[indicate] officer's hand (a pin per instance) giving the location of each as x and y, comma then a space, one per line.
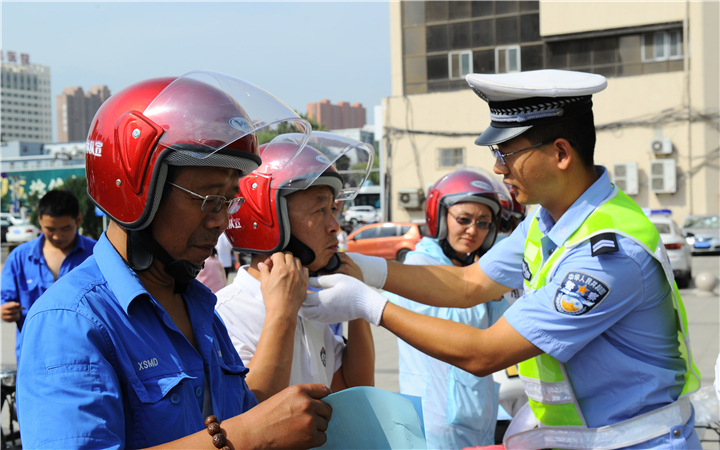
10, 311
294, 418
341, 299
283, 283
373, 269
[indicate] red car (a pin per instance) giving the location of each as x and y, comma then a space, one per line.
389, 240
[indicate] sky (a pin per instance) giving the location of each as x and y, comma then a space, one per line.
301, 52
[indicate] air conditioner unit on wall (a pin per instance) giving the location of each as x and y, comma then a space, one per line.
410, 198
663, 176
625, 177
661, 146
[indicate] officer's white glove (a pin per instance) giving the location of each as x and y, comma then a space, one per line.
343, 298
374, 269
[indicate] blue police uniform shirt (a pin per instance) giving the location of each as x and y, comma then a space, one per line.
622, 355
459, 408
111, 370
26, 275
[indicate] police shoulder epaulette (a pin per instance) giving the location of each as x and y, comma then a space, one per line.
604, 243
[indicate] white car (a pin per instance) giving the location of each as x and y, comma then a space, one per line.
703, 233
7, 220
22, 232
357, 214
678, 250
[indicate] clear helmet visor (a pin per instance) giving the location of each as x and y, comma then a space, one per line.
203, 112
339, 157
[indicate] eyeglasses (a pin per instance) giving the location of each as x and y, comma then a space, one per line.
467, 222
214, 203
501, 156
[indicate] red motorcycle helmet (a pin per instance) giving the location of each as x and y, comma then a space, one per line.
516, 216
198, 119
469, 184
262, 224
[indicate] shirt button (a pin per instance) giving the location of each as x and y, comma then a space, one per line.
676, 433
175, 399
198, 391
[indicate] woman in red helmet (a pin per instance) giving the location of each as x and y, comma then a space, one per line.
463, 213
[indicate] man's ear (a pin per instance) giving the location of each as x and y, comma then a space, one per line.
564, 153
78, 221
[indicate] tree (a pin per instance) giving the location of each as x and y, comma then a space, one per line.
91, 224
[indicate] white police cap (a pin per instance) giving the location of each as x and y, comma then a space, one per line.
520, 100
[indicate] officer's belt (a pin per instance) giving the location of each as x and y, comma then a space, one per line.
622, 434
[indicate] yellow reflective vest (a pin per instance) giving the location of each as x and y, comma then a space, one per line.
556, 420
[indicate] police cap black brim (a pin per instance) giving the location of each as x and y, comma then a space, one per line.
493, 136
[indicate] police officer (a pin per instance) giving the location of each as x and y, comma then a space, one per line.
600, 332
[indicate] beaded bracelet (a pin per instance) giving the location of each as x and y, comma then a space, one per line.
213, 427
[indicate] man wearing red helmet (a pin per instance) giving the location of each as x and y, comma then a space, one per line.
600, 333
126, 351
293, 210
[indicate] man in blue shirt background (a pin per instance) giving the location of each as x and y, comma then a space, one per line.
34, 266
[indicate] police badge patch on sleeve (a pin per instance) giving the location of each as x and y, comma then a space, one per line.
579, 293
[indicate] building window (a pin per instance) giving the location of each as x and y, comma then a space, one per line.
507, 59
662, 45
460, 64
451, 157
437, 67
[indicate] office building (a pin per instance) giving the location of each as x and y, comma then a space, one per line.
25, 104
342, 115
657, 121
75, 111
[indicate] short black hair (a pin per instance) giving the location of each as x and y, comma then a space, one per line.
579, 131
59, 203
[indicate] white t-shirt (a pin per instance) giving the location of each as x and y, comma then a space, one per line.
317, 352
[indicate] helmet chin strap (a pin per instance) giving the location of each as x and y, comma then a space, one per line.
453, 255
306, 255
142, 248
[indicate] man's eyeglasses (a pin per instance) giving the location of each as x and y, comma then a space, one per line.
467, 222
214, 203
501, 156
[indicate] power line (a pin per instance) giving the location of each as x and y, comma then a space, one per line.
665, 117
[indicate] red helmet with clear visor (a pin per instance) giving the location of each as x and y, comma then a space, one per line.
469, 184
198, 119
516, 216
262, 224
